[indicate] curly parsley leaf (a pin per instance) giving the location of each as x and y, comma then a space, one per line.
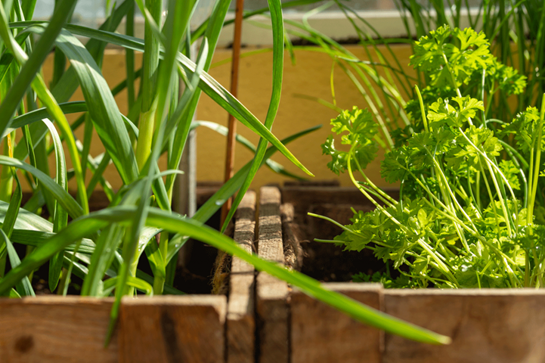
358, 130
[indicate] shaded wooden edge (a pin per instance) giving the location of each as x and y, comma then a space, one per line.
293, 236
240, 307
272, 309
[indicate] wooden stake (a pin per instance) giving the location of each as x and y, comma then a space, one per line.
230, 154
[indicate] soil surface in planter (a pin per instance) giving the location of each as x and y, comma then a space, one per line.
328, 262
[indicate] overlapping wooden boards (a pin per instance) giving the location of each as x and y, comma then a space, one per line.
272, 308
240, 308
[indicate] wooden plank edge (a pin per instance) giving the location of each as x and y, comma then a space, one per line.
240, 329
271, 294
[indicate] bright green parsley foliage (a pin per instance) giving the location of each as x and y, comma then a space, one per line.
358, 131
462, 218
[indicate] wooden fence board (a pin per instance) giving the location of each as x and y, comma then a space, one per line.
272, 308
489, 325
172, 329
322, 334
240, 307
55, 329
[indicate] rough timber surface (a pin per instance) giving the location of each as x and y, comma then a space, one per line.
172, 329
321, 334
489, 325
272, 308
240, 307
52, 329
55, 329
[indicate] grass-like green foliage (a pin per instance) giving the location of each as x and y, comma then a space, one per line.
104, 248
470, 213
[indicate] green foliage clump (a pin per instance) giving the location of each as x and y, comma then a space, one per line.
470, 212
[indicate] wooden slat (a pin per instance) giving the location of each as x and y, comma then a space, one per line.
497, 325
320, 333
172, 329
272, 309
240, 307
55, 329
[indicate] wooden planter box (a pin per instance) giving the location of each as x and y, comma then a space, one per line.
261, 319
493, 325
191, 328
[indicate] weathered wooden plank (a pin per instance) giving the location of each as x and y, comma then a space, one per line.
240, 307
55, 329
320, 333
272, 309
496, 325
172, 329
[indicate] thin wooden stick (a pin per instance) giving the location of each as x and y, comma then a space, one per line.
230, 153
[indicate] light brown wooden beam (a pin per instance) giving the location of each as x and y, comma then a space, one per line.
240, 307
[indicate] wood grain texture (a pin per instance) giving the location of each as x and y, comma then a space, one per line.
322, 334
500, 326
272, 308
172, 329
55, 329
240, 307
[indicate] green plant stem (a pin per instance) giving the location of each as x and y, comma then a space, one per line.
149, 84
158, 279
534, 167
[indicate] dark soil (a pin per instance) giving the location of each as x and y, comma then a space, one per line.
328, 262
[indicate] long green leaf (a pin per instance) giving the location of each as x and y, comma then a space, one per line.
102, 257
62, 196
208, 84
102, 107
31, 67
24, 288
60, 217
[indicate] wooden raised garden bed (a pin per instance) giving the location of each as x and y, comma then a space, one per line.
260, 319
489, 325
